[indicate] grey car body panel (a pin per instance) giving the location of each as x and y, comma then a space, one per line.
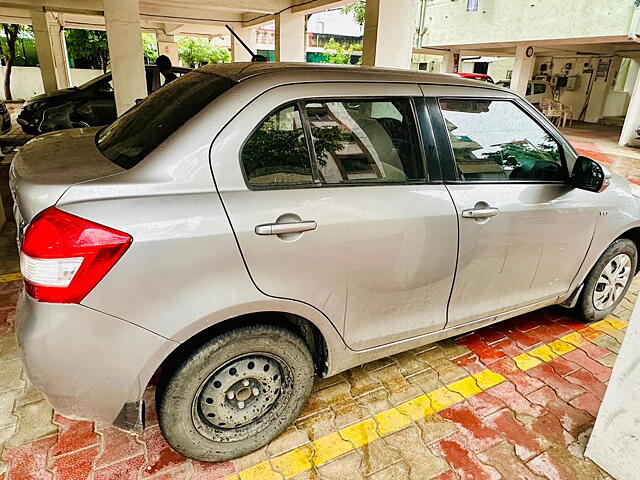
92, 351
185, 272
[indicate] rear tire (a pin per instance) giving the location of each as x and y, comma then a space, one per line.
235, 393
608, 281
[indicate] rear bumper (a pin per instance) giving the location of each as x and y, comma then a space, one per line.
88, 364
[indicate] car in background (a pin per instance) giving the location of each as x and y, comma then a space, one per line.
92, 104
472, 76
536, 90
6, 118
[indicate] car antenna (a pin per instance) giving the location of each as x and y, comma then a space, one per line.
254, 56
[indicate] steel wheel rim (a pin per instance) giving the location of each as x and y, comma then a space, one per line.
235, 395
612, 281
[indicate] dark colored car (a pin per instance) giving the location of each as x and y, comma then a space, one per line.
91, 104
6, 118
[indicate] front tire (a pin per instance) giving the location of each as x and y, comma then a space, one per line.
609, 280
235, 393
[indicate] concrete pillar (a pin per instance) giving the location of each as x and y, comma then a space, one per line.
51, 49
389, 28
523, 68
122, 19
614, 443
450, 61
632, 120
632, 75
290, 37
167, 46
238, 52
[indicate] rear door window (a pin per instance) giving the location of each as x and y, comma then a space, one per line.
364, 141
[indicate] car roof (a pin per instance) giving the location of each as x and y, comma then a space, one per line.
240, 72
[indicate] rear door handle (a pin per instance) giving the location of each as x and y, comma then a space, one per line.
284, 228
480, 212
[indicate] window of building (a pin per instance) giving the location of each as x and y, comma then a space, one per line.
360, 141
494, 140
276, 153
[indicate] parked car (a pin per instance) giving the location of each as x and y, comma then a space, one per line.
5, 124
472, 76
536, 90
89, 105
250, 226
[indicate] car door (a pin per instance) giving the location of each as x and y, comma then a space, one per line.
524, 231
326, 190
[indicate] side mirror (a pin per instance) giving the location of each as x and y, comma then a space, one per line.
589, 175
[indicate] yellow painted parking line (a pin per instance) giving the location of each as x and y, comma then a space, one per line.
10, 277
345, 440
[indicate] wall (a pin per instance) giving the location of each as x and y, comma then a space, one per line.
26, 82
497, 69
524, 20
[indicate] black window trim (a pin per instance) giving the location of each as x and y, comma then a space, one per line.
316, 182
445, 141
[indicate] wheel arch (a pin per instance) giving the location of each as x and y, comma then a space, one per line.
633, 234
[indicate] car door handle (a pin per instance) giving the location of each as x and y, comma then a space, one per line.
284, 228
480, 212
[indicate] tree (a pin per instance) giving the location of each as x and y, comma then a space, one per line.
357, 9
8, 53
150, 47
196, 52
89, 44
335, 52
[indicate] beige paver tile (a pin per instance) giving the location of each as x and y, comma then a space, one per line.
427, 380
408, 364
317, 425
342, 468
5, 434
10, 375
342, 404
451, 349
398, 387
288, 440
9, 347
409, 443
609, 360
34, 421
250, 460
7, 403
607, 342
30, 394
376, 456
361, 381
397, 471
434, 428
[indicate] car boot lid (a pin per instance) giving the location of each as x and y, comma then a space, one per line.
48, 165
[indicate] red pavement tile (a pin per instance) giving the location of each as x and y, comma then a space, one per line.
523, 340
585, 379
503, 459
591, 334
125, 470
587, 402
75, 466
598, 370
549, 427
491, 335
571, 323
212, 471
557, 329
29, 461
527, 322
523, 382
73, 435
563, 367
519, 404
470, 363
542, 334
159, 453
474, 434
566, 390
508, 347
547, 466
594, 351
484, 404
453, 449
571, 418
527, 444
448, 475
117, 446
486, 353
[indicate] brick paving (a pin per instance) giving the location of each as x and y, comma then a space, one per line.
516, 400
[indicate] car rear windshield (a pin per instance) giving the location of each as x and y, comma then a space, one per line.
140, 130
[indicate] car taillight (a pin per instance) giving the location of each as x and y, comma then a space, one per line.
63, 257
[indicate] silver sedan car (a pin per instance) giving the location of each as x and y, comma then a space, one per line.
251, 226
